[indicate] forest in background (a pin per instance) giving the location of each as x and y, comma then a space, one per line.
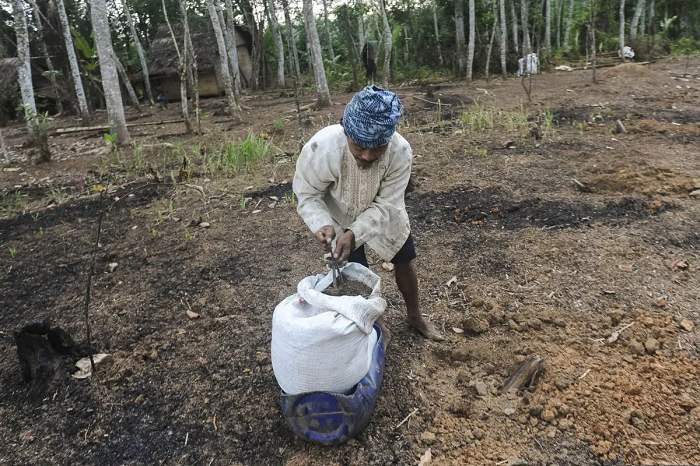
310, 44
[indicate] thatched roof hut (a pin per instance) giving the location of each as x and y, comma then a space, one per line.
9, 74
163, 61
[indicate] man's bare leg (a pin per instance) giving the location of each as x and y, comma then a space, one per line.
385, 330
407, 282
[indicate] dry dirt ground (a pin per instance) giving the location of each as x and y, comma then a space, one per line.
515, 261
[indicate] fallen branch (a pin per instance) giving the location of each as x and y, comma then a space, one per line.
80, 129
406, 418
432, 103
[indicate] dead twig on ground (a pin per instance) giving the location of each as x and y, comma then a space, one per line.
406, 418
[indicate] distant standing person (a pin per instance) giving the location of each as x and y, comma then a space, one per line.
350, 181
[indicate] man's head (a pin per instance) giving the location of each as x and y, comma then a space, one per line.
370, 121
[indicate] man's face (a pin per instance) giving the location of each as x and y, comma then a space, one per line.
366, 156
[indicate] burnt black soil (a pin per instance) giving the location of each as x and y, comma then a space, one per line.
475, 207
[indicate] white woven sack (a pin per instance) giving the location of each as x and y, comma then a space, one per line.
325, 343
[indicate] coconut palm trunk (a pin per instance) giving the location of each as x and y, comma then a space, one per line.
638, 13
524, 18
437, 34
182, 69
504, 38
386, 72
72, 59
225, 74
514, 25
191, 65
25, 69
472, 38
108, 71
323, 94
569, 18
139, 52
277, 39
459, 35
548, 27
622, 29
127, 83
360, 25
327, 30
47, 58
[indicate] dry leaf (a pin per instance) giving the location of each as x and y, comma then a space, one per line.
204, 225
192, 314
426, 458
457, 330
388, 266
85, 369
111, 267
661, 302
626, 267
452, 280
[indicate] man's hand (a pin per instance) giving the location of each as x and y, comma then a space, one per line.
325, 236
344, 246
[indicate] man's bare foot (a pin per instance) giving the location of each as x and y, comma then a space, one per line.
426, 329
385, 332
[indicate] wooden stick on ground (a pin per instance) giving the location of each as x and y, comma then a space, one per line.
524, 375
406, 418
79, 129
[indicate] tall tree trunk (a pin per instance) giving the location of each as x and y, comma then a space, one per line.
622, 29
514, 20
4, 149
641, 5
25, 68
504, 38
459, 35
493, 36
472, 38
591, 31
139, 51
293, 58
258, 45
642, 22
108, 71
437, 34
405, 47
233, 48
45, 53
277, 38
524, 18
548, 26
72, 60
561, 8
225, 74
652, 17
127, 83
328, 32
360, 24
182, 68
235, 78
386, 72
191, 66
569, 18
323, 96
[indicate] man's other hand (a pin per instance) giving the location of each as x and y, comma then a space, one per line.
344, 246
325, 236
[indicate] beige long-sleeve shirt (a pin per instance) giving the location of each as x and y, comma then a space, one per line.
332, 190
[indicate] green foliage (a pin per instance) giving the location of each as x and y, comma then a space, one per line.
238, 157
481, 119
58, 196
13, 252
14, 204
278, 124
685, 46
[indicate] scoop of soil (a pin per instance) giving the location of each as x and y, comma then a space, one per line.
349, 288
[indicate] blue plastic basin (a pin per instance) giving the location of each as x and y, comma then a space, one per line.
333, 418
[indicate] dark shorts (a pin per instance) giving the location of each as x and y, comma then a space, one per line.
405, 255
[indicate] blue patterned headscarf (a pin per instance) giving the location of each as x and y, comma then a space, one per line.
371, 117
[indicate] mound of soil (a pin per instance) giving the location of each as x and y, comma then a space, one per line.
630, 70
349, 288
